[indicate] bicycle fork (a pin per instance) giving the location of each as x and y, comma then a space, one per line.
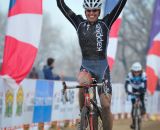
88, 97
90, 115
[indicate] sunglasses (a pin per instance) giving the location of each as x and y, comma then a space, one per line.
93, 10
137, 72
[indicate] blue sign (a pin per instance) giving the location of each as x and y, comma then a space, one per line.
43, 101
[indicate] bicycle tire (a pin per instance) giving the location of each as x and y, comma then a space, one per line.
137, 124
84, 123
100, 124
137, 119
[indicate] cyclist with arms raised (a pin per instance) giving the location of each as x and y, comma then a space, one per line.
93, 34
136, 78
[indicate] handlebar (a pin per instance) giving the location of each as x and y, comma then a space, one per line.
79, 86
134, 94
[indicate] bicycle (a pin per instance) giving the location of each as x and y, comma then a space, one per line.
91, 113
137, 116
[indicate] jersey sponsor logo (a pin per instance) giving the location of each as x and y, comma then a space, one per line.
99, 35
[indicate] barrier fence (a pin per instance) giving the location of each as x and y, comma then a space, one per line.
40, 102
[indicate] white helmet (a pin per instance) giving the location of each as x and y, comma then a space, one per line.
92, 4
136, 67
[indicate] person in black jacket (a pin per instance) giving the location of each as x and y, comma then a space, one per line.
93, 35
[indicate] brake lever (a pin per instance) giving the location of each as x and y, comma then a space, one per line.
64, 87
64, 90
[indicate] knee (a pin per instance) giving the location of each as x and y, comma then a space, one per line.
106, 106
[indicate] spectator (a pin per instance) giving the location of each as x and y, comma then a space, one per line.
47, 70
33, 74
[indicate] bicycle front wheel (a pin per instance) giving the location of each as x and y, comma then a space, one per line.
91, 123
84, 121
137, 119
137, 124
99, 121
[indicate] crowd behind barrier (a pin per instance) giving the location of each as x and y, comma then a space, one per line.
38, 101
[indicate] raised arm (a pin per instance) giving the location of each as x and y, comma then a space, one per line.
68, 13
111, 17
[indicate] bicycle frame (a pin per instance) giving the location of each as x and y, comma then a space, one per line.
89, 99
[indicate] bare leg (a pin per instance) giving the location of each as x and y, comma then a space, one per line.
81, 98
107, 117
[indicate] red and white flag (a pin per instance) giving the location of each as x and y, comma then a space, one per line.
153, 64
22, 39
114, 32
153, 57
113, 41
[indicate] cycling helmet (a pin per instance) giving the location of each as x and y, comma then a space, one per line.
92, 4
136, 67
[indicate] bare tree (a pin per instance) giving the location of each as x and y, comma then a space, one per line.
70, 60
50, 40
134, 36
53, 45
2, 33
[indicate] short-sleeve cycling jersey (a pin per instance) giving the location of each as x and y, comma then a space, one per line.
93, 38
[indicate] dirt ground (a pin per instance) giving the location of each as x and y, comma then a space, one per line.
124, 125
146, 125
